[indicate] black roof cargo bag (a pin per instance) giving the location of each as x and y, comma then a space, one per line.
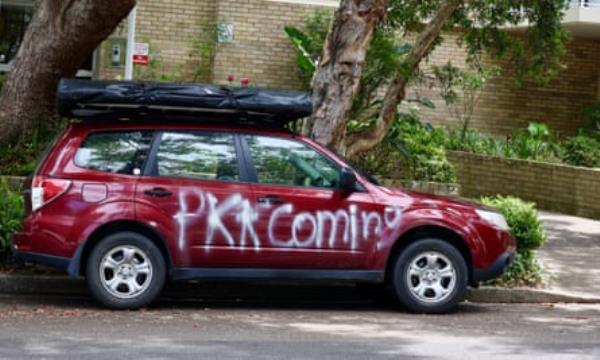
131, 100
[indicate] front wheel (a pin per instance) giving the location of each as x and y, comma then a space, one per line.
430, 276
125, 271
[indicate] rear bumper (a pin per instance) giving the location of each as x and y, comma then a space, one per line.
21, 255
28, 257
495, 270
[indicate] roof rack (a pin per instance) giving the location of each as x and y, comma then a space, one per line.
146, 101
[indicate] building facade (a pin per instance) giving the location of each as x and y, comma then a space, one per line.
209, 41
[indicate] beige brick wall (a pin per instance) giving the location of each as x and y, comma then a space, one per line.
504, 106
170, 28
555, 187
261, 51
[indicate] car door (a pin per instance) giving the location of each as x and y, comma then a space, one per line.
193, 192
304, 219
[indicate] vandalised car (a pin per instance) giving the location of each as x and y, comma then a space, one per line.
132, 204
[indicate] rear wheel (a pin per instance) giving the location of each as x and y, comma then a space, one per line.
430, 276
125, 271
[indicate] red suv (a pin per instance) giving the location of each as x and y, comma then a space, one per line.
129, 205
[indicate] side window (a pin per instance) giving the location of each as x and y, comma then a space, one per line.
288, 162
114, 152
200, 155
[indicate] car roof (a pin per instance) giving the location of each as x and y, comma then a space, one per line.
94, 126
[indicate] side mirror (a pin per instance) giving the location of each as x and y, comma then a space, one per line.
347, 180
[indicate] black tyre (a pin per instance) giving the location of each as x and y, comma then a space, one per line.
125, 270
429, 276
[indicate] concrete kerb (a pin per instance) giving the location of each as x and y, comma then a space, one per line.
526, 296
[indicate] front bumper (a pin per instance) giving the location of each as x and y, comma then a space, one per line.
495, 270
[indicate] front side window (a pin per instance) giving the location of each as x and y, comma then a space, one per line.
289, 162
199, 155
114, 152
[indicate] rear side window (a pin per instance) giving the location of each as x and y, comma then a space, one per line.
114, 152
199, 155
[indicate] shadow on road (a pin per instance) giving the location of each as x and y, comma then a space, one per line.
248, 295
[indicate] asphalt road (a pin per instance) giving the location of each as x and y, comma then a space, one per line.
315, 327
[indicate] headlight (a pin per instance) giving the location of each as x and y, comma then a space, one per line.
494, 218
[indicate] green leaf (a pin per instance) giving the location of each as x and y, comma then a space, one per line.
301, 41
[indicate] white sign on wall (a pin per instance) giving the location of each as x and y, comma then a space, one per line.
141, 53
225, 32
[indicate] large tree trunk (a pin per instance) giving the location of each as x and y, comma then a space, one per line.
62, 33
396, 91
338, 73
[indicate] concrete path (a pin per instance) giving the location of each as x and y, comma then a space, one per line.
572, 254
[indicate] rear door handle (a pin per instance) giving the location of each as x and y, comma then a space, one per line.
270, 200
158, 192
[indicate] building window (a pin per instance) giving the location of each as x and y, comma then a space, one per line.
15, 16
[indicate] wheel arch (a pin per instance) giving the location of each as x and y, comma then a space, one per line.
79, 262
430, 231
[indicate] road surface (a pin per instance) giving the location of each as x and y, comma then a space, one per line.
278, 326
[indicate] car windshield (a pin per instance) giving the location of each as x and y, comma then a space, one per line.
356, 168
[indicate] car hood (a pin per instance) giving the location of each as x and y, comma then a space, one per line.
421, 199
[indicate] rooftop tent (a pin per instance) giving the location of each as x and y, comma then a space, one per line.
130, 100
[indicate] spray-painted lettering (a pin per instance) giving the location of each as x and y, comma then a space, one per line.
321, 229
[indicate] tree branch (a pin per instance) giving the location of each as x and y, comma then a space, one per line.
338, 74
63, 12
396, 91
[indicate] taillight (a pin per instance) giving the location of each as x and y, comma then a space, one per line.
44, 190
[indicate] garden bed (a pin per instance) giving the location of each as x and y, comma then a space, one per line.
555, 187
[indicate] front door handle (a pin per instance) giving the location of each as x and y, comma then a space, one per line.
270, 200
158, 192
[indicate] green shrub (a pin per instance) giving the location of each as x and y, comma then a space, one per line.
309, 41
422, 150
11, 214
592, 114
411, 151
2, 77
581, 151
536, 142
475, 142
20, 157
527, 229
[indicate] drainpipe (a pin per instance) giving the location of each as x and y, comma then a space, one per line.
130, 44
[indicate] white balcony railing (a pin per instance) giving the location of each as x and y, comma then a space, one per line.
585, 3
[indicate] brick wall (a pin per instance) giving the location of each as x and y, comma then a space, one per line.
261, 51
561, 188
504, 106
170, 28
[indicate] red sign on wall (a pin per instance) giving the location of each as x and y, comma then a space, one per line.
141, 53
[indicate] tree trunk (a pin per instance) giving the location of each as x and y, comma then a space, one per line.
396, 91
338, 74
62, 33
